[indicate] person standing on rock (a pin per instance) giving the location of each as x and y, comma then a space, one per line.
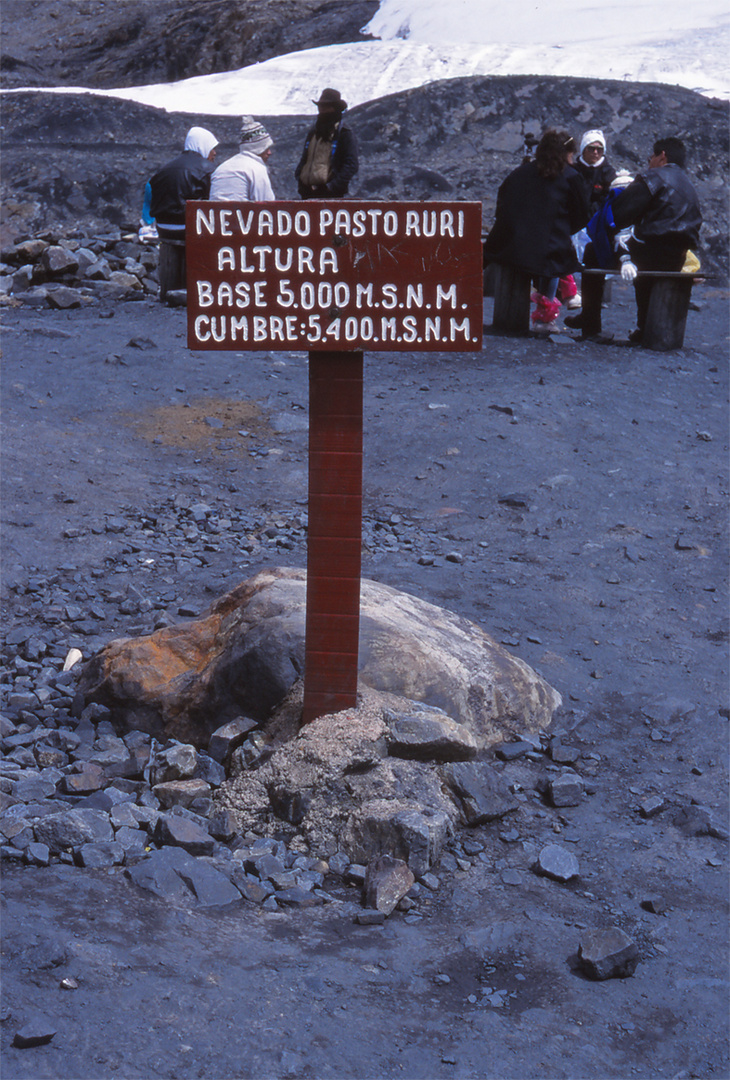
329, 160
663, 207
539, 207
245, 177
185, 177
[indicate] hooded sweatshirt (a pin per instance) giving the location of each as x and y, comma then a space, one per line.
185, 177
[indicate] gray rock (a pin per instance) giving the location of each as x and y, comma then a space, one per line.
370, 918
73, 829
298, 898
387, 881
563, 755
557, 862
651, 806
210, 770
36, 1032
608, 954
37, 854
122, 816
62, 298
180, 792
90, 779
479, 792
417, 836
407, 647
511, 751
222, 825
175, 831
249, 887
210, 887
159, 873
700, 821
33, 789
430, 737
229, 737
177, 761
56, 261
133, 841
100, 855
566, 790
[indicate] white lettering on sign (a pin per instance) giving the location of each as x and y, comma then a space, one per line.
334, 275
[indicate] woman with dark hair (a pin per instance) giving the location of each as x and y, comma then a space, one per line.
539, 207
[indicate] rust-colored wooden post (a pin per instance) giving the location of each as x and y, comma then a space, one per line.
335, 532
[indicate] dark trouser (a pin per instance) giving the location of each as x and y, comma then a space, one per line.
651, 256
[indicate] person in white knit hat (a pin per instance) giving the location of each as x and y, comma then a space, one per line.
244, 177
593, 165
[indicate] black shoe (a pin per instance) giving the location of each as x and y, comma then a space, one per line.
635, 337
598, 339
575, 322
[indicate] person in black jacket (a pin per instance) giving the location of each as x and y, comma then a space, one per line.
539, 207
329, 159
185, 177
593, 165
662, 206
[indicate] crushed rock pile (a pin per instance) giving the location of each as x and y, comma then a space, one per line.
54, 270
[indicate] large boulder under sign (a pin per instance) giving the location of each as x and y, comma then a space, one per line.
246, 653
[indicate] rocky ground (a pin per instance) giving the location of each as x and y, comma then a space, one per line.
568, 498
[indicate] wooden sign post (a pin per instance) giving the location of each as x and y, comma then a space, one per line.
334, 278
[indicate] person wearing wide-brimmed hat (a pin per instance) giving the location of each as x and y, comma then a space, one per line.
244, 177
329, 159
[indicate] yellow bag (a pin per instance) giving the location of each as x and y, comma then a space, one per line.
691, 264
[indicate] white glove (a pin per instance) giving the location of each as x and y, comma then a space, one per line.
628, 270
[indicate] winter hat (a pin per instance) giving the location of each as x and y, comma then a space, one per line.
254, 137
622, 180
331, 97
201, 141
590, 137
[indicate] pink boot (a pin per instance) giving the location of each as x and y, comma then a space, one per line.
546, 311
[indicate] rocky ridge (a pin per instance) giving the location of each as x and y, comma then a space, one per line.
82, 162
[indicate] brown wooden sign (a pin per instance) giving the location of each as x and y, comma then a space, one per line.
339, 276
334, 278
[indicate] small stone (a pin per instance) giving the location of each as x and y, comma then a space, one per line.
557, 862
101, 855
355, 874
566, 790
370, 918
563, 755
179, 832
479, 791
387, 880
441, 979
512, 751
430, 881
229, 737
430, 737
36, 1033
608, 954
511, 877
656, 905
180, 792
652, 806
